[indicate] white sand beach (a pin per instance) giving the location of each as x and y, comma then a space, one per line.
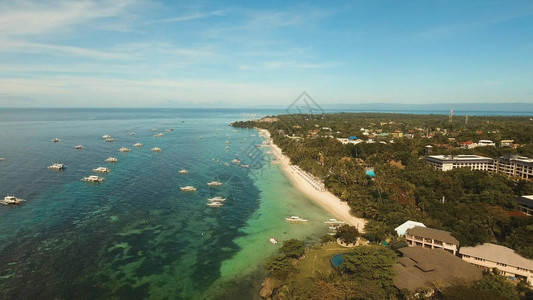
314, 190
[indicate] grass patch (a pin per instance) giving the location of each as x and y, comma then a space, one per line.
316, 261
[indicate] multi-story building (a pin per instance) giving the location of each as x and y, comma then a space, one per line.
432, 239
514, 165
448, 162
526, 204
507, 261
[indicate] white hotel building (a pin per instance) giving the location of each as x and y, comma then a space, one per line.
449, 162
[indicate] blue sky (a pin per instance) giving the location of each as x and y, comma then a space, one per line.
137, 53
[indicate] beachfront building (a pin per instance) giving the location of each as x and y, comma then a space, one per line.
402, 229
506, 143
506, 260
432, 239
448, 162
483, 143
526, 204
419, 268
514, 165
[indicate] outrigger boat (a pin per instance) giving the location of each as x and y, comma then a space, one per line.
295, 219
102, 170
11, 200
188, 188
93, 178
57, 166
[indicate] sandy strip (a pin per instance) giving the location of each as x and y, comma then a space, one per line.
339, 209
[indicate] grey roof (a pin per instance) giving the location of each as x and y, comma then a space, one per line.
420, 266
525, 200
497, 253
440, 235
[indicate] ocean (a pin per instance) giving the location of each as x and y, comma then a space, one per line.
136, 235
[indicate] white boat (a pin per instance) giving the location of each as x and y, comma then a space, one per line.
215, 204
102, 170
1, 158
110, 140
56, 140
333, 221
183, 171
132, 133
57, 166
169, 130
158, 135
156, 149
216, 199
188, 188
79, 147
245, 166
11, 200
93, 178
124, 149
295, 219
111, 159
137, 145
236, 161
226, 164
214, 183
273, 240
106, 136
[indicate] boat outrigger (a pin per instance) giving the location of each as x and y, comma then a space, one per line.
215, 204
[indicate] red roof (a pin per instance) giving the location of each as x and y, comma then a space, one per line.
467, 143
516, 213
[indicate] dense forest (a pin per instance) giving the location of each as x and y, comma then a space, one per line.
474, 206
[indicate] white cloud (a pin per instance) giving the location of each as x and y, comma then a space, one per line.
192, 16
28, 18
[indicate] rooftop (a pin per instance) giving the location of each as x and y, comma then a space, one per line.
441, 235
497, 253
525, 200
458, 157
420, 266
402, 229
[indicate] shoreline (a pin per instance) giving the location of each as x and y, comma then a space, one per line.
301, 180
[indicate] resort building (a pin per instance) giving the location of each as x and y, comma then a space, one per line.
448, 162
506, 143
526, 204
402, 229
432, 239
506, 260
483, 143
514, 165
419, 268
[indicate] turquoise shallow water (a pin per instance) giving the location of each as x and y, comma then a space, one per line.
136, 235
